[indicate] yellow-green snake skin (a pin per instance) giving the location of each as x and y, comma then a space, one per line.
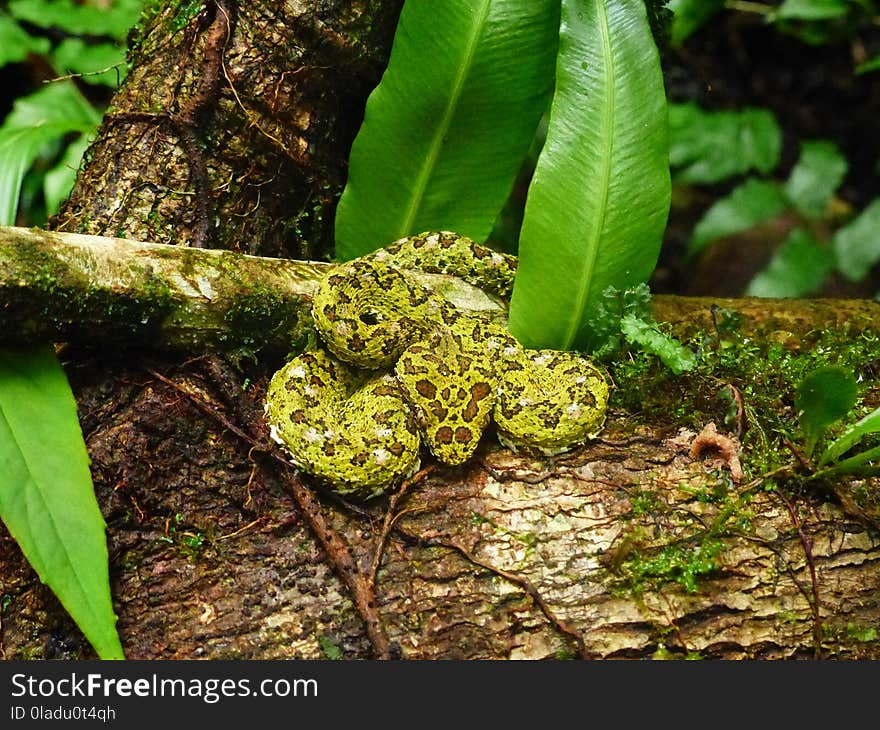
405, 369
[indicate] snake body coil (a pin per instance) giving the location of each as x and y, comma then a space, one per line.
408, 368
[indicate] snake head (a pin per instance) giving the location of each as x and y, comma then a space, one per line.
367, 312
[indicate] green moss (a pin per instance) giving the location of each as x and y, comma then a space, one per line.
38, 267
678, 563
788, 617
564, 655
29, 653
260, 311
765, 375
861, 633
682, 547
180, 12
191, 541
646, 502
329, 648
53, 299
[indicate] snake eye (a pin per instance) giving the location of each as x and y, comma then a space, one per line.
369, 318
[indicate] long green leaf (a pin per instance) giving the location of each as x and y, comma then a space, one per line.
446, 130
851, 436
47, 500
34, 122
855, 464
598, 203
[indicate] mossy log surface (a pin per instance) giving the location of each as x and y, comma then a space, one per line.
65, 287
82, 289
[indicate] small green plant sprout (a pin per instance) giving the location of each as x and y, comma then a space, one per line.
625, 316
824, 397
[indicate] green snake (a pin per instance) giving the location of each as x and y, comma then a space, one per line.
401, 368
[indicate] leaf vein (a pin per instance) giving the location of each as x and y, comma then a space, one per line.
606, 135
430, 160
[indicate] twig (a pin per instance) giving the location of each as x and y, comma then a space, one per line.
807, 545
310, 507
83, 74
802, 458
209, 409
391, 516
522, 582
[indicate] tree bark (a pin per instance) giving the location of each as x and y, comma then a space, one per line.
233, 126
232, 131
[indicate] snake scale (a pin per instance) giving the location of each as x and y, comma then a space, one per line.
401, 368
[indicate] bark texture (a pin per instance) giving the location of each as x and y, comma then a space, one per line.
211, 559
233, 127
232, 130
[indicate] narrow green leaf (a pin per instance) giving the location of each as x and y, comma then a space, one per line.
599, 199
851, 436
18, 148
707, 147
35, 122
857, 244
690, 15
798, 268
93, 18
753, 202
855, 465
674, 355
810, 10
815, 177
16, 43
446, 130
47, 500
823, 397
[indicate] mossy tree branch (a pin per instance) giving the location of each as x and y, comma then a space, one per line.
91, 289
